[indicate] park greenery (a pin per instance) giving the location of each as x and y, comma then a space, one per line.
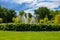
41, 15
43, 20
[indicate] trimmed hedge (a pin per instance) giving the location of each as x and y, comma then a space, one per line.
29, 27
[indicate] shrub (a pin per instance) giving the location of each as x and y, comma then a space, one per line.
13, 19
29, 27
1, 20
16, 20
41, 21
45, 20
57, 19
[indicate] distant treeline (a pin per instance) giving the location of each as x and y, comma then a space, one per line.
41, 13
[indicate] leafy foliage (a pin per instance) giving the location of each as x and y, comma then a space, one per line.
21, 12
29, 27
42, 12
9, 15
6, 14
57, 19
16, 20
1, 20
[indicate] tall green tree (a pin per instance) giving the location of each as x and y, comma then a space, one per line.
10, 14
53, 13
41, 12
6, 14
29, 15
21, 12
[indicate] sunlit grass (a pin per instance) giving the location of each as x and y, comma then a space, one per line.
10, 35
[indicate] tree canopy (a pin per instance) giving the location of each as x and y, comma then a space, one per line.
7, 14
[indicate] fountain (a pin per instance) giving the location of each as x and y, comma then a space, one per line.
24, 19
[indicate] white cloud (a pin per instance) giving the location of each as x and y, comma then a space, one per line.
48, 4
22, 1
51, 5
38, 3
54, 0
29, 11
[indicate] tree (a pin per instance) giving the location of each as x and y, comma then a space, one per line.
11, 13
29, 17
41, 12
50, 17
6, 14
53, 13
21, 12
3, 12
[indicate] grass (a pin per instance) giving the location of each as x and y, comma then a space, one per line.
10, 35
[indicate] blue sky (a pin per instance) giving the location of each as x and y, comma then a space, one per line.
30, 5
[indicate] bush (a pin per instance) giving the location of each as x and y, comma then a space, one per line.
16, 20
45, 20
41, 21
1, 20
29, 27
57, 19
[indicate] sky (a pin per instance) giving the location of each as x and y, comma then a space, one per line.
30, 5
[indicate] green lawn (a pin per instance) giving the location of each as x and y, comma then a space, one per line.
8, 35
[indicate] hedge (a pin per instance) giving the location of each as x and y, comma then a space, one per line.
29, 27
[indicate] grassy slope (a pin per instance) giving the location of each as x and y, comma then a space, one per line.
5, 35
